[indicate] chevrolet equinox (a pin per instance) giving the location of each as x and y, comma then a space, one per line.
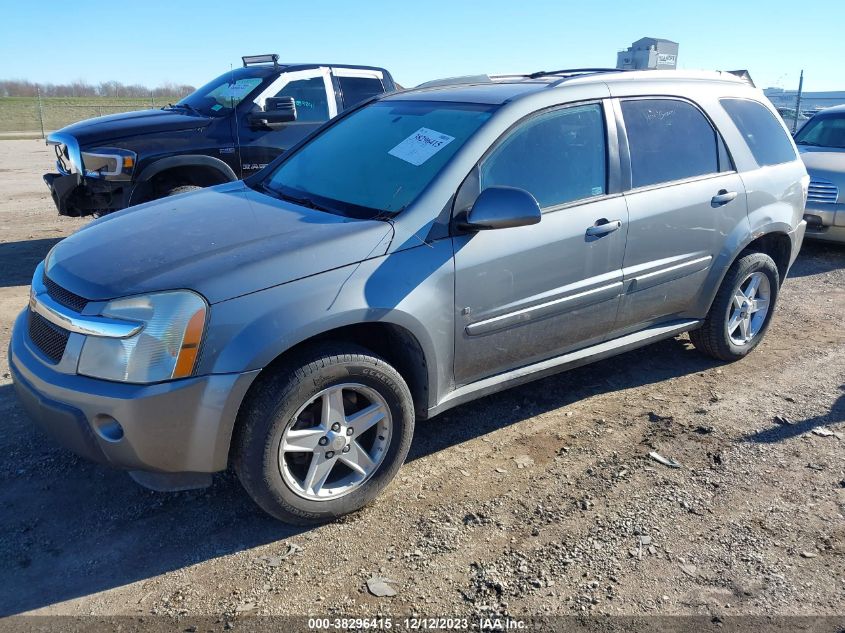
421, 250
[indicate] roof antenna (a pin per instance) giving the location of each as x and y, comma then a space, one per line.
235, 123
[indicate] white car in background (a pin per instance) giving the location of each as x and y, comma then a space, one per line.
821, 142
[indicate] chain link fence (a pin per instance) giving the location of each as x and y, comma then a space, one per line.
31, 117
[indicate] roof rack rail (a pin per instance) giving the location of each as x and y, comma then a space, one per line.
561, 75
252, 60
456, 81
574, 71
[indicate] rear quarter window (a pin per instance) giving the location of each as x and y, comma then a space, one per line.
765, 136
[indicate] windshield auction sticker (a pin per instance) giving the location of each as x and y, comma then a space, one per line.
421, 145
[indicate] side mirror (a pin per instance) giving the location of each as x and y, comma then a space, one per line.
502, 208
277, 112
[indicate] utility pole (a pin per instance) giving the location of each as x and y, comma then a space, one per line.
798, 102
40, 110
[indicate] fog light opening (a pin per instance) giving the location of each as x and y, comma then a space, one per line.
108, 428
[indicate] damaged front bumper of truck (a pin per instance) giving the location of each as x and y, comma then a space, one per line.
81, 189
76, 196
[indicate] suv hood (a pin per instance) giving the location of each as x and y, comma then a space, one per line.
223, 242
829, 160
127, 124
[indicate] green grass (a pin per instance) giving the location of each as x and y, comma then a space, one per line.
21, 114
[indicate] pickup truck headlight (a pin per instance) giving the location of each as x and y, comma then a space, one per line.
165, 348
108, 162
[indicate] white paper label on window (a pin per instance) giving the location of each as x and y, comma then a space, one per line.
421, 145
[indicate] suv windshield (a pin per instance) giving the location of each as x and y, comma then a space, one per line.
220, 96
823, 131
376, 161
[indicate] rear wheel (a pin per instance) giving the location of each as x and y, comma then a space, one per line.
323, 436
742, 310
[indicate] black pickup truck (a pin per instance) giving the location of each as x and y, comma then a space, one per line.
228, 129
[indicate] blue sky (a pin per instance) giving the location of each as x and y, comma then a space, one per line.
185, 41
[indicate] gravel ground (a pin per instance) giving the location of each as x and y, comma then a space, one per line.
539, 500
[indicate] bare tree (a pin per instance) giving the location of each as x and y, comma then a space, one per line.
81, 88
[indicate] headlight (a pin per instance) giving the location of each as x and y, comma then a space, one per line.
165, 348
108, 162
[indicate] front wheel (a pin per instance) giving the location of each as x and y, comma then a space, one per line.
175, 191
742, 309
323, 436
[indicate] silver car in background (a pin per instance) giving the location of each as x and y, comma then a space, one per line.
821, 143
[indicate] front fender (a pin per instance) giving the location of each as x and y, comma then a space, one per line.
412, 289
187, 160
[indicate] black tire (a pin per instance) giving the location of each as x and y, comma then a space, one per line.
274, 403
175, 191
713, 338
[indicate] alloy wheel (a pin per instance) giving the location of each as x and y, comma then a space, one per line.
335, 442
749, 308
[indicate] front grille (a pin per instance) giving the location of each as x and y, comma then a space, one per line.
822, 191
49, 338
65, 297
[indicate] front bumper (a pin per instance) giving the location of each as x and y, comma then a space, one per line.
75, 196
825, 221
171, 427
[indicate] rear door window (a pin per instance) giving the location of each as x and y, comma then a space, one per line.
669, 140
358, 89
766, 138
312, 103
558, 157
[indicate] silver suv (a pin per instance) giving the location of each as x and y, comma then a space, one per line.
422, 250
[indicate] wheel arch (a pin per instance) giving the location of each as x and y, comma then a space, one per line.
774, 240
190, 169
394, 343
777, 245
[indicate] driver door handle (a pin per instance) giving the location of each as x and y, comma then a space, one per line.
723, 197
603, 227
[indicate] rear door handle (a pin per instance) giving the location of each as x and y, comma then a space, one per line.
603, 227
723, 197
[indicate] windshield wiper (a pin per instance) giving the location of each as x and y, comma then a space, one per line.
183, 106
385, 216
301, 201
810, 143
305, 201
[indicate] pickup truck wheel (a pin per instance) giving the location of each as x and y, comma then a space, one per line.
324, 435
175, 191
742, 310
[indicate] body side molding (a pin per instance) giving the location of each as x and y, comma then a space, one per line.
571, 360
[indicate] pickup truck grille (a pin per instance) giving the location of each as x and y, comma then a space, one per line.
822, 191
49, 338
65, 297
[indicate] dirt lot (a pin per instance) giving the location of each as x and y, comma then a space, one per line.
538, 500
